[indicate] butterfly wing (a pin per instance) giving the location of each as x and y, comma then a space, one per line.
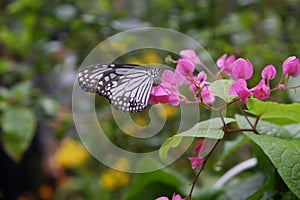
127, 87
132, 91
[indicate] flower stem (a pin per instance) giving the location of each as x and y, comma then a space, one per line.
245, 115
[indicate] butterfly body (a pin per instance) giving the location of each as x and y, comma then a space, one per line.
126, 86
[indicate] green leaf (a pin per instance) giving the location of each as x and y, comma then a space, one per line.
50, 106
264, 127
18, 124
294, 130
171, 142
4, 93
220, 88
274, 110
208, 129
21, 92
285, 155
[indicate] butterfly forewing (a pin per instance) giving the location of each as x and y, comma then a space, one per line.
127, 87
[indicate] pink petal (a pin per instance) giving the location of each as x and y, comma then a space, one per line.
162, 198
185, 67
161, 94
196, 161
269, 72
193, 88
281, 86
242, 69
225, 63
291, 66
221, 61
190, 55
261, 91
172, 78
176, 197
198, 146
239, 88
240, 83
207, 97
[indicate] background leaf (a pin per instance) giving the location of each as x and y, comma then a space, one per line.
18, 125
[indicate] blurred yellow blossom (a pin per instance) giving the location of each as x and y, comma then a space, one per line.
70, 153
151, 57
135, 127
167, 111
112, 179
141, 121
148, 56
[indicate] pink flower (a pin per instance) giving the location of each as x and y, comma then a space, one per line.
239, 88
207, 97
200, 147
242, 69
225, 63
190, 55
174, 197
281, 86
197, 82
269, 72
185, 67
196, 161
167, 90
291, 66
172, 78
160, 94
261, 91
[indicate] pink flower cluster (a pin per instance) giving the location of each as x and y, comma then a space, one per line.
167, 91
241, 70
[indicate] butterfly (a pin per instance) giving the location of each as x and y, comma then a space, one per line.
126, 86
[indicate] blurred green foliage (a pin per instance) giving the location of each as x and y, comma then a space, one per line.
38, 39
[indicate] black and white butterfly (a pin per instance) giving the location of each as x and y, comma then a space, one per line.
126, 86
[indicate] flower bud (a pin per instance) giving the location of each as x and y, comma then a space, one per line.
269, 72
291, 66
190, 55
242, 69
